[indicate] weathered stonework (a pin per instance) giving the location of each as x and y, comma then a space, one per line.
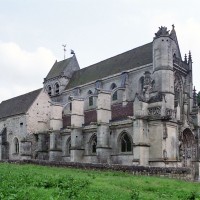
137, 109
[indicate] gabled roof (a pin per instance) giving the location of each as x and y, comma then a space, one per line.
58, 68
18, 105
131, 59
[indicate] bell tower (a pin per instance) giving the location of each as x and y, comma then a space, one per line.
163, 65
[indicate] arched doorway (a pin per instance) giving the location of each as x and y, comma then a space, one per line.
188, 148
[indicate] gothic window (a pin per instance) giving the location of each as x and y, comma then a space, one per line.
16, 146
68, 146
4, 136
57, 88
126, 143
70, 103
70, 106
112, 87
91, 101
93, 144
49, 90
114, 97
141, 84
90, 98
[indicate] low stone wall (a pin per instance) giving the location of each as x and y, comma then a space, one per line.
171, 172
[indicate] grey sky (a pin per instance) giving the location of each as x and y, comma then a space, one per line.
32, 33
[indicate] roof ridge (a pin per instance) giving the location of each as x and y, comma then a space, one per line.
130, 59
21, 95
116, 56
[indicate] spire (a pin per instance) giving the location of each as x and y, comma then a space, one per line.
194, 97
185, 60
173, 33
189, 57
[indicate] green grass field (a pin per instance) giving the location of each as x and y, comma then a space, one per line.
50, 183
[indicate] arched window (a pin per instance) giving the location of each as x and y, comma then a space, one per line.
89, 92
57, 88
49, 90
93, 144
70, 103
112, 87
90, 98
68, 146
126, 143
16, 146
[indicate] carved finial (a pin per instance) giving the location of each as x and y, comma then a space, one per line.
194, 97
162, 32
189, 57
185, 60
173, 26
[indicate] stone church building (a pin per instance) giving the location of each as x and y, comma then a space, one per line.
136, 108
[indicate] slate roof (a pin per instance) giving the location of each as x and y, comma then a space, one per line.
58, 68
18, 105
131, 59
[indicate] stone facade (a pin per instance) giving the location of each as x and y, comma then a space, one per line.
136, 108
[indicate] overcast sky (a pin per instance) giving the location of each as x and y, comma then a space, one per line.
32, 33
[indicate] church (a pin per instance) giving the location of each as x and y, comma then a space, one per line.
135, 108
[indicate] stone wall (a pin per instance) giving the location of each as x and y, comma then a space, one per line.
171, 172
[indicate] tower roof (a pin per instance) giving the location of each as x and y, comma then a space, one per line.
59, 67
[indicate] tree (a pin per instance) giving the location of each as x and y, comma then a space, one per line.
198, 98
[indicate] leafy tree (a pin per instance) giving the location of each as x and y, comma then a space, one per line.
198, 98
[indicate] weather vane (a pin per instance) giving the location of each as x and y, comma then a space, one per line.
64, 49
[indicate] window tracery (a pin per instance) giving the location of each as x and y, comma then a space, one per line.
126, 143
68, 146
57, 88
16, 146
93, 144
114, 96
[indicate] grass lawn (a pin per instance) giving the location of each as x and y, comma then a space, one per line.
50, 183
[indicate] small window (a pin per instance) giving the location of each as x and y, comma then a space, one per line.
70, 106
126, 144
57, 88
93, 144
90, 98
49, 90
89, 92
16, 146
114, 97
113, 86
91, 101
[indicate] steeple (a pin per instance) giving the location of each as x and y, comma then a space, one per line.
194, 97
185, 59
189, 57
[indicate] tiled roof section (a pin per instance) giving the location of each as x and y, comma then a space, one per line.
58, 68
131, 59
18, 105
